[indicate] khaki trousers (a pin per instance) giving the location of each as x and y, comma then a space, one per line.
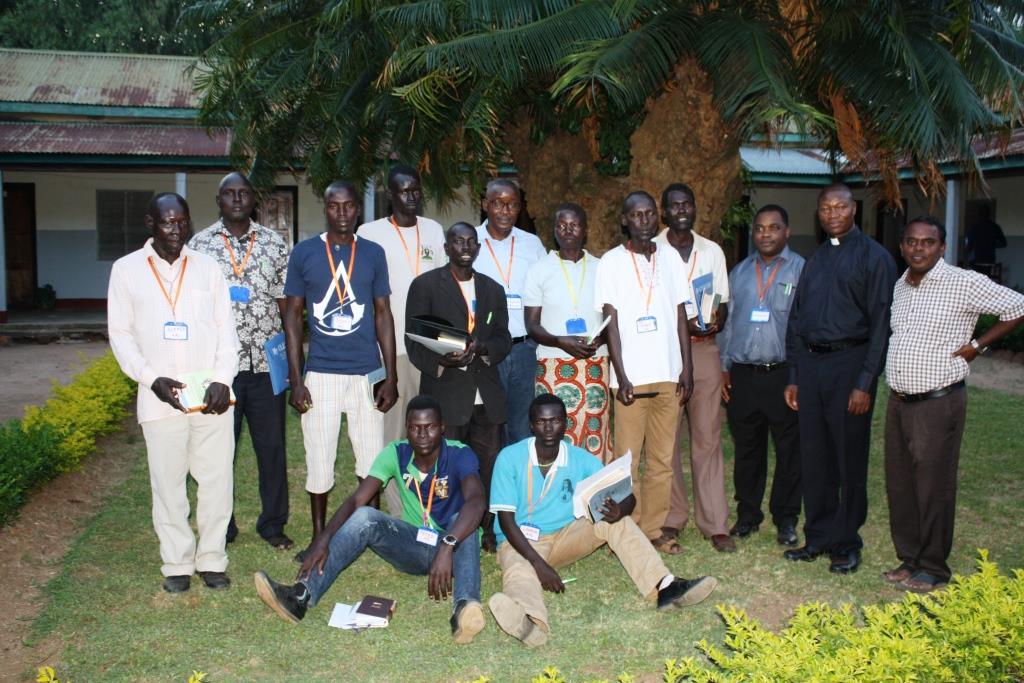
394, 421
203, 446
639, 558
647, 428
704, 417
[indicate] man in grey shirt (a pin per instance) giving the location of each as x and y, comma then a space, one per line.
754, 374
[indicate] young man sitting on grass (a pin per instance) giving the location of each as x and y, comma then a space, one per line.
442, 504
531, 492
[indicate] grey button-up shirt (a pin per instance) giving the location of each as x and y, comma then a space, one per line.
743, 340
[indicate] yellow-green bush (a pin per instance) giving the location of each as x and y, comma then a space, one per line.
91, 405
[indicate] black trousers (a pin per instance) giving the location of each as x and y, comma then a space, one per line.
922, 454
756, 408
484, 437
834, 449
256, 402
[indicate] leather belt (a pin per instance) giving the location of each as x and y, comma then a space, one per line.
760, 367
829, 347
698, 340
938, 393
517, 340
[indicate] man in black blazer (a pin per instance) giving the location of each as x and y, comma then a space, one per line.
466, 384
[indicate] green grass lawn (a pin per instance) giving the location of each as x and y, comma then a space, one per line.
118, 625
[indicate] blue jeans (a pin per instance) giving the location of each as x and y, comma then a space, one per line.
518, 373
395, 542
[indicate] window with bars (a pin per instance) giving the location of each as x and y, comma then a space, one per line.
119, 222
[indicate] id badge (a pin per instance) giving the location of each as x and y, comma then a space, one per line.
514, 302
760, 314
341, 321
575, 326
648, 323
530, 531
175, 331
427, 536
239, 294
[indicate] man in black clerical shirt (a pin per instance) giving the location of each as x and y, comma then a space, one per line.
836, 342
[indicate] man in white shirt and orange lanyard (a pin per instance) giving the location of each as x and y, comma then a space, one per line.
169, 314
703, 411
506, 254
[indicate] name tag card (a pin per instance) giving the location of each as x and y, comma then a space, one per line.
175, 331
760, 314
427, 536
575, 326
239, 294
514, 302
691, 310
340, 321
530, 531
648, 323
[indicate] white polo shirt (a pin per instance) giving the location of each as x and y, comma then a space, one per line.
706, 257
564, 291
507, 262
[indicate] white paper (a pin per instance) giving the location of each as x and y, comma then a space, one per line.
600, 328
437, 345
344, 616
625, 464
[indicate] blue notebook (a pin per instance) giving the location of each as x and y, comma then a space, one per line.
277, 359
703, 286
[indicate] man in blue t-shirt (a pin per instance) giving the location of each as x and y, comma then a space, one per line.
342, 282
442, 503
531, 492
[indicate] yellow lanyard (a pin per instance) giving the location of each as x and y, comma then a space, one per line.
334, 273
239, 269
413, 261
160, 281
548, 480
568, 283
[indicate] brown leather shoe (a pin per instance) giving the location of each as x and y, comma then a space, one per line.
899, 574
723, 543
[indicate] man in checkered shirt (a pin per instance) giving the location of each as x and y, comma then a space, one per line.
935, 309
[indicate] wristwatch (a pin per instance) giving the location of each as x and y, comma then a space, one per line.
978, 347
450, 539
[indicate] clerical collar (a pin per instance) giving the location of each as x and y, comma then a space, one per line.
842, 239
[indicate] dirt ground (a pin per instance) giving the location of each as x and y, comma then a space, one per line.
29, 368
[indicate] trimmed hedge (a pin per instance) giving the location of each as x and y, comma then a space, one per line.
56, 437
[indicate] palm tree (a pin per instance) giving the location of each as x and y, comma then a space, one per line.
592, 98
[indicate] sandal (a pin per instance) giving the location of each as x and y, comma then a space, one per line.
667, 544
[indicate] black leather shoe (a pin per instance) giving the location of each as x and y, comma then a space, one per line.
743, 529
786, 534
218, 581
805, 553
845, 563
177, 584
290, 602
683, 592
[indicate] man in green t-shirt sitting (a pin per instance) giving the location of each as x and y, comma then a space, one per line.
442, 503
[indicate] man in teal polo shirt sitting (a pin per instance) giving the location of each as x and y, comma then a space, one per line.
442, 504
531, 493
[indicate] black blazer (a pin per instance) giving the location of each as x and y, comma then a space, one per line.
437, 293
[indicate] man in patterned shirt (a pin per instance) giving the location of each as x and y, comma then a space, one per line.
934, 311
254, 260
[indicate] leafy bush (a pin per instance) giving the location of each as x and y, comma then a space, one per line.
28, 457
1011, 342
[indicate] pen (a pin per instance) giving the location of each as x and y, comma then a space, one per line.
569, 579
489, 317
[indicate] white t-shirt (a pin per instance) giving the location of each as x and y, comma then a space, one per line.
706, 257
546, 286
402, 267
652, 355
494, 262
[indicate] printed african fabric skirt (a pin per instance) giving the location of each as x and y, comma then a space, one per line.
582, 384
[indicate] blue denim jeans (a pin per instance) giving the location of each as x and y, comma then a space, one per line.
395, 542
518, 373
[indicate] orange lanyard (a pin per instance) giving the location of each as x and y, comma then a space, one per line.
470, 314
430, 498
414, 262
636, 269
507, 279
334, 273
693, 265
762, 289
530, 504
160, 281
231, 255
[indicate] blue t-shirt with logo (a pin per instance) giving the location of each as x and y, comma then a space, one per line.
509, 485
342, 337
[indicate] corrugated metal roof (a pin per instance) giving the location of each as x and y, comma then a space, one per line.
785, 161
94, 78
116, 139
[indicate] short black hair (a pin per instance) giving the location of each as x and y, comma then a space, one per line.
546, 400
927, 219
677, 187
241, 176
422, 402
153, 210
573, 207
342, 185
453, 226
773, 207
501, 182
633, 195
402, 170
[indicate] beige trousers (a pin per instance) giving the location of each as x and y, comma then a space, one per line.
647, 428
639, 558
394, 421
703, 415
203, 446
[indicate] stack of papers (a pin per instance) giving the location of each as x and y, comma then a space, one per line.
370, 612
614, 481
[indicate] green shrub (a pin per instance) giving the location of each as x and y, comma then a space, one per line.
1011, 342
29, 456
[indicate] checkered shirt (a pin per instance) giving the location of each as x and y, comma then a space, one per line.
937, 317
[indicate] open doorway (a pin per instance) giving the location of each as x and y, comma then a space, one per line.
20, 244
